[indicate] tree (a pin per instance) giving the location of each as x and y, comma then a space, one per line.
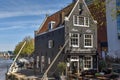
28, 48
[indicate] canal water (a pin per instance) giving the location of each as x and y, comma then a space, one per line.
4, 64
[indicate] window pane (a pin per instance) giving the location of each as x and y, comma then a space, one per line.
88, 40
81, 20
87, 21
74, 40
75, 19
87, 62
50, 44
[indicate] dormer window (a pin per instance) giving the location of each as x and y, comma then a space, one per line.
51, 25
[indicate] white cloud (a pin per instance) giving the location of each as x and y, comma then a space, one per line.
19, 27
20, 22
7, 14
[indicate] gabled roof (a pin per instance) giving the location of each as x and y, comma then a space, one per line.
58, 17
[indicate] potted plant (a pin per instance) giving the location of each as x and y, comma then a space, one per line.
61, 68
102, 65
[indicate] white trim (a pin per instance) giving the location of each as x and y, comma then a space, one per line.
91, 41
84, 25
74, 58
73, 9
78, 40
37, 61
42, 24
50, 25
89, 11
50, 44
49, 61
85, 6
91, 63
50, 31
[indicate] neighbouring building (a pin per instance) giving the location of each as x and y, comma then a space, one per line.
98, 10
73, 27
113, 27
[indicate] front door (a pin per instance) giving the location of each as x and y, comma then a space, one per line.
74, 64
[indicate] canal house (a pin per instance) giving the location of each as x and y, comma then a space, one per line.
72, 29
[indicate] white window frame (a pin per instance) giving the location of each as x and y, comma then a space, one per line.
77, 38
80, 5
51, 25
86, 68
84, 25
91, 41
49, 60
37, 61
50, 44
42, 63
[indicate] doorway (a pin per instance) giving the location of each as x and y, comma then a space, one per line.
74, 64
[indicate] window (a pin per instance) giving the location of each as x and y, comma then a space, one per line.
50, 44
42, 63
51, 25
80, 21
49, 60
80, 6
37, 62
74, 40
88, 40
87, 62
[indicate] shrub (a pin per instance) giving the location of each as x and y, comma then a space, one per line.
61, 67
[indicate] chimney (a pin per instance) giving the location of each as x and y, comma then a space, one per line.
74, 1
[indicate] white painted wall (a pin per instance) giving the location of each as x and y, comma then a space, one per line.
113, 41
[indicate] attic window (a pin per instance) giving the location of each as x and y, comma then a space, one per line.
80, 21
80, 6
51, 25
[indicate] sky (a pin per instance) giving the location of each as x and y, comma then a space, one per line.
20, 18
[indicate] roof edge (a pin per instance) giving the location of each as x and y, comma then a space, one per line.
73, 8
42, 24
89, 11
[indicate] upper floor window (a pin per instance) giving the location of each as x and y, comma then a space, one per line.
51, 25
74, 40
80, 21
88, 40
80, 6
50, 44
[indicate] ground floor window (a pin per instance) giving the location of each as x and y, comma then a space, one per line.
87, 62
37, 61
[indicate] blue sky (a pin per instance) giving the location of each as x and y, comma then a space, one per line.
20, 18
